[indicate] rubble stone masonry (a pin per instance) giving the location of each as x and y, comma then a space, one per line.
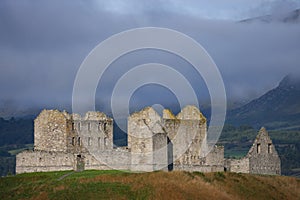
64, 141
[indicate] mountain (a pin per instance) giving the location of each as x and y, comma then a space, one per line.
9, 109
284, 17
278, 108
16, 131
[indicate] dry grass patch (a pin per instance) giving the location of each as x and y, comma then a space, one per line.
154, 185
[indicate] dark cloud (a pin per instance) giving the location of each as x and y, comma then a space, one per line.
42, 44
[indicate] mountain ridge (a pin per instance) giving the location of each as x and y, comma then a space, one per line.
276, 108
285, 17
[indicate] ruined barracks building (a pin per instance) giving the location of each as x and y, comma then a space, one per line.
262, 157
65, 141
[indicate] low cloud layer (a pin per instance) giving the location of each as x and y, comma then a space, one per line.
42, 45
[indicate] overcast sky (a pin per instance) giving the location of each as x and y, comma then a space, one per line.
43, 43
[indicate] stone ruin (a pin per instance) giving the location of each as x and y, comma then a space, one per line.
64, 141
262, 157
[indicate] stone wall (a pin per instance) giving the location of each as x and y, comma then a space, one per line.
50, 131
63, 142
215, 157
108, 159
262, 158
42, 161
59, 131
93, 131
71, 142
160, 151
154, 143
187, 133
237, 165
142, 128
174, 141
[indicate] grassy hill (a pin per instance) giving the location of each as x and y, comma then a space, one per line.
154, 185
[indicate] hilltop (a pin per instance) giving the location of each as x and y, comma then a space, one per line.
154, 185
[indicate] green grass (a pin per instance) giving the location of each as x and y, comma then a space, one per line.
71, 187
113, 184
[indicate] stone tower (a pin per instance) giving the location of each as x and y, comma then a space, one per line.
187, 132
147, 141
172, 142
51, 130
64, 141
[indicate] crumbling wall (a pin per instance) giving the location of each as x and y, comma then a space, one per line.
187, 132
68, 141
160, 151
43, 161
237, 165
105, 159
187, 142
143, 127
215, 157
175, 141
263, 157
108, 159
50, 131
93, 131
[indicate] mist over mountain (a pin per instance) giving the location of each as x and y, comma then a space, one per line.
279, 107
281, 17
42, 47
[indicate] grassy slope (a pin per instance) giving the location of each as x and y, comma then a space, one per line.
155, 185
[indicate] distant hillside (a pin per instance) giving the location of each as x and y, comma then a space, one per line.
16, 131
279, 111
154, 185
278, 108
289, 17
